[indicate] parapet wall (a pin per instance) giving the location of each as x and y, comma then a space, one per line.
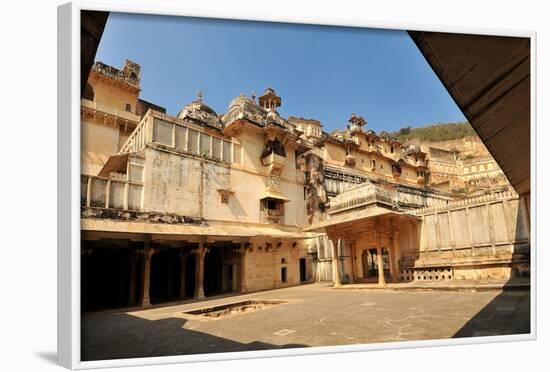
486, 237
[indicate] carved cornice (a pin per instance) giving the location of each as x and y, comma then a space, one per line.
91, 114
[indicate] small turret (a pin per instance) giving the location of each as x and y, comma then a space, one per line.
356, 124
132, 70
270, 100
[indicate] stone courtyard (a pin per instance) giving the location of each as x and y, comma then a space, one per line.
303, 316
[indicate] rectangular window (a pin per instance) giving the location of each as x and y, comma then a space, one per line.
272, 204
283, 275
116, 196
227, 151
181, 141
134, 197
205, 144
216, 148
135, 172
193, 141
162, 132
237, 153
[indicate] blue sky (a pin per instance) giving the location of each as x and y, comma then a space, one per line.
320, 72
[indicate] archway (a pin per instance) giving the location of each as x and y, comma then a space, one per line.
369, 261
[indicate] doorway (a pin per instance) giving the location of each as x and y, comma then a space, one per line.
283, 275
369, 261
303, 272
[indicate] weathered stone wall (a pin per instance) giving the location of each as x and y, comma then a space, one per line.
98, 142
180, 184
321, 247
480, 238
190, 186
264, 260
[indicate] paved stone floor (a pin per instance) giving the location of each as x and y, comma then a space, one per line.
312, 315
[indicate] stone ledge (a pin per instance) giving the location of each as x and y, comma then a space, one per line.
125, 215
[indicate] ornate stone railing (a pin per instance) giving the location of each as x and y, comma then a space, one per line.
181, 136
445, 205
481, 159
397, 198
138, 139
111, 193
362, 194
115, 73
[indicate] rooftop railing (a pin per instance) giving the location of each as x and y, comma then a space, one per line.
115, 73
183, 137
114, 192
138, 139
93, 105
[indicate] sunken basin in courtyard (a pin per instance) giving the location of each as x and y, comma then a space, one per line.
235, 308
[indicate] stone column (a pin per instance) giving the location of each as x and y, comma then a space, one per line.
242, 264
234, 277
336, 279
393, 269
353, 260
199, 272
132, 289
183, 260
146, 274
394, 256
380, 260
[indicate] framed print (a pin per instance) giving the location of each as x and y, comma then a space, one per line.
237, 187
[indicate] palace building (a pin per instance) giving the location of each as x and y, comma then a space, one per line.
204, 203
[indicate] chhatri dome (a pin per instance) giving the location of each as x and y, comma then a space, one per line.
200, 111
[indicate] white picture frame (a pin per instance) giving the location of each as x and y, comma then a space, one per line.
69, 185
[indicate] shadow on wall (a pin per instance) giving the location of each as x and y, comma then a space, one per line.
106, 337
508, 313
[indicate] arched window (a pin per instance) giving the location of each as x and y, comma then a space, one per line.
128, 107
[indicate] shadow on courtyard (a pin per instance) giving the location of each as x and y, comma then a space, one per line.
510, 312
126, 336
507, 314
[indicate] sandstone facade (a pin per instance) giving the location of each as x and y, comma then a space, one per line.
202, 204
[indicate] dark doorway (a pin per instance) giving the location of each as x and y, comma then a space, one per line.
213, 266
370, 266
106, 268
219, 267
303, 272
369, 261
283, 275
164, 285
190, 264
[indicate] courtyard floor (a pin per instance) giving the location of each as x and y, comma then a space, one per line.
310, 315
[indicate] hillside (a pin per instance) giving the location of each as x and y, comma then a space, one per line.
433, 133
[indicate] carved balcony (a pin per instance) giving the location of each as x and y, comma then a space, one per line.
275, 163
350, 160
